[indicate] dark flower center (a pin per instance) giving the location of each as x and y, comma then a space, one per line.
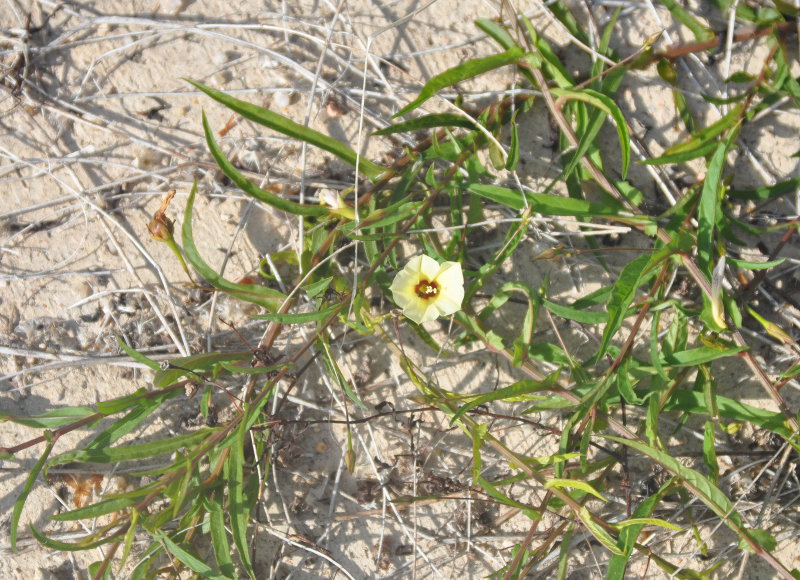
426, 289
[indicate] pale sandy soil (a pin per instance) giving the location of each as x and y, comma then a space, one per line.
105, 125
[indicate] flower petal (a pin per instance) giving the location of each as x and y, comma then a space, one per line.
420, 312
428, 267
446, 305
450, 274
403, 288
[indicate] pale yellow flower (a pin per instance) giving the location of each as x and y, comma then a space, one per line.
426, 290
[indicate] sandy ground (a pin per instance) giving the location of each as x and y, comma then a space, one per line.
105, 125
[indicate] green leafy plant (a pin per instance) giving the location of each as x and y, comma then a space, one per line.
648, 353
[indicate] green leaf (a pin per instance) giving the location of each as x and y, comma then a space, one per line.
133, 452
553, 204
428, 122
462, 72
107, 506
747, 265
599, 532
94, 570
514, 391
495, 30
316, 316
710, 452
130, 421
700, 355
629, 533
265, 297
571, 483
137, 356
694, 402
608, 106
699, 485
551, 59
87, 543
113, 406
493, 492
133, 525
576, 314
767, 192
219, 535
648, 522
50, 420
682, 156
762, 537
234, 471
203, 362
315, 289
250, 188
188, 559
701, 143
621, 298
478, 434
26, 490
701, 32
709, 209
291, 129
513, 150
502, 195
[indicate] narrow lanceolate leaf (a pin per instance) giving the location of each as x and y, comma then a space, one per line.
265, 297
546, 204
701, 143
629, 533
119, 404
502, 195
108, 506
462, 72
479, 432
51, 419
234, 470
26, 490
136, 355
129, 422
576, 314
768, 191
699, 355
700, 31
599, 532
513, 149
748, 265
250, 188
133, 452
573, 484
648, 522
316, 316
710, 452
709, 209
194, 364
189, 560
289, 128
608, 106
427, 122
85, 543
694, 402
621, 298
698, 484
219, 535
513, 392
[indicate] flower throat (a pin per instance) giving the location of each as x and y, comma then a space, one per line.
426, 290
